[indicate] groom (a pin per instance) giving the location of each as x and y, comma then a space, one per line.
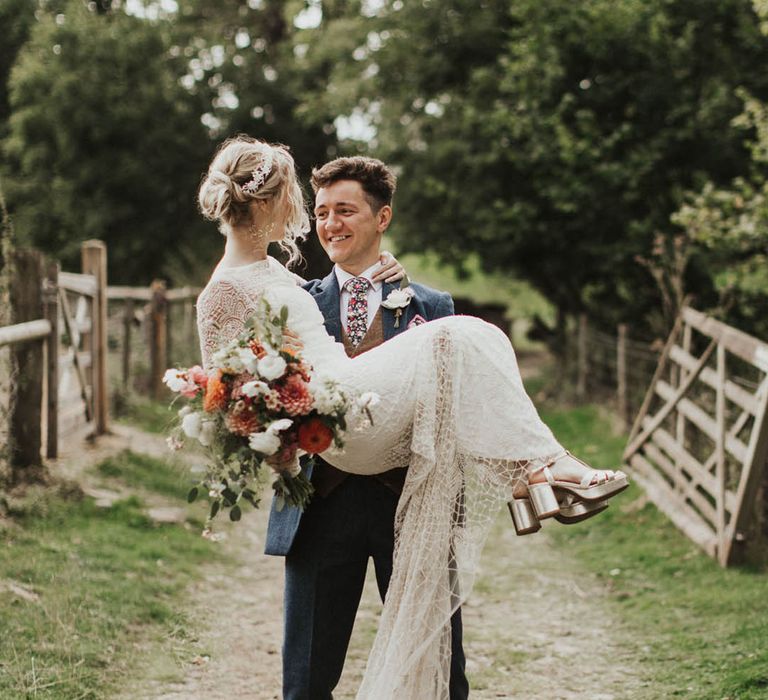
351, 517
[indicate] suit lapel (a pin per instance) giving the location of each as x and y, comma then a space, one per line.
327, 298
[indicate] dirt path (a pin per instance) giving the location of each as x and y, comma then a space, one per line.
536, 626
534, 629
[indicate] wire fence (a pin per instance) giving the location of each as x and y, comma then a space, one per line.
612, 367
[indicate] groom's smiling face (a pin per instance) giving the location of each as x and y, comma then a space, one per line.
348, 227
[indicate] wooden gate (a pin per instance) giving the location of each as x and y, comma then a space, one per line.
58, 352
698, 445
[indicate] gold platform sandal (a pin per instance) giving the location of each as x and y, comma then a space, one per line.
596, 485
571, 511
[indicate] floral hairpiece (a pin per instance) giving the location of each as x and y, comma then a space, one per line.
260, 175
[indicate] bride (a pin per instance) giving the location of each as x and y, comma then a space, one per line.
452, 406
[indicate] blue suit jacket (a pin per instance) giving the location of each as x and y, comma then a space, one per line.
427, 303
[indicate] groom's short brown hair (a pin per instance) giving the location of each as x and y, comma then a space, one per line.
376, 179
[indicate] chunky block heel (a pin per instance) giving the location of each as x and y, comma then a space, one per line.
543, 500
523, 516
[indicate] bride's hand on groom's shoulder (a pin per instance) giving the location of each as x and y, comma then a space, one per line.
389, 270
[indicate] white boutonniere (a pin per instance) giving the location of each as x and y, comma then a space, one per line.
398, 299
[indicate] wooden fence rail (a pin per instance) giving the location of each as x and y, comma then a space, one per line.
157, 315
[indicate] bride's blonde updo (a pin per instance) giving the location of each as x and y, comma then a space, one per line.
246, 170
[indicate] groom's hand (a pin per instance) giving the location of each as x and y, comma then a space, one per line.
389, 270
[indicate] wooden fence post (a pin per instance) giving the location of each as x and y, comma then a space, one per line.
189, 320
168, 333
583, 364
27, 362
621, 374
158, 345
94, 262
51, 312
128, 313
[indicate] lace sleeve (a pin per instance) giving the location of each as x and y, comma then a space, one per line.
222, 308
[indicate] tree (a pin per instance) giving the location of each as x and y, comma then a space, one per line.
16, 19
243, 69
554, 139
730, 224
103, 142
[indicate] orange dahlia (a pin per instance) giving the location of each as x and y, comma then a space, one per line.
315, 436
295, 397
216, 394
241, 420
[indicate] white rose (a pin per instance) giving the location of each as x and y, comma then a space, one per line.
277, 426
398, 298
173, 380
247, 357
186, 410
265, 443
255, 388
191, 424
207, 432
271, 367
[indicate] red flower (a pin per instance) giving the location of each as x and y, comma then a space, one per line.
295, 397
315, 436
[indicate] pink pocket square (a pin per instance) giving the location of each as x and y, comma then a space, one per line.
416, 321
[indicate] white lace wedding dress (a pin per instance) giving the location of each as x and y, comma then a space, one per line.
453, 407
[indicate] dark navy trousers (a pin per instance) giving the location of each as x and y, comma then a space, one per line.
324, 576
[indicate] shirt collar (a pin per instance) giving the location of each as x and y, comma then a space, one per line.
343, 276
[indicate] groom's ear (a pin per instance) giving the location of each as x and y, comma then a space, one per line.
383, 218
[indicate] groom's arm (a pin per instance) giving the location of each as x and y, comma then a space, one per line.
311, 286
434, 304
444, 306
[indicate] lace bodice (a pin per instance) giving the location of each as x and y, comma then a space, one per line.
232, 296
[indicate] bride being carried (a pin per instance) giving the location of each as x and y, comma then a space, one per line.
452, 407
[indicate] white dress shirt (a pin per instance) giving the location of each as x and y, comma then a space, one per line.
374, 293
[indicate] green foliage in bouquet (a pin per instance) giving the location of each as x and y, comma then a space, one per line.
258, 403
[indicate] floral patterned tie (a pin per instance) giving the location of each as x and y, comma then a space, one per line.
357, 309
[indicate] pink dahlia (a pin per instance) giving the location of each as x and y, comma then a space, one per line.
295, 396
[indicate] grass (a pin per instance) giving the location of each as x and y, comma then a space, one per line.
90, 586
142, 412
699, 630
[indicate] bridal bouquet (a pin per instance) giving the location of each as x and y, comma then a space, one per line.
260, 402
